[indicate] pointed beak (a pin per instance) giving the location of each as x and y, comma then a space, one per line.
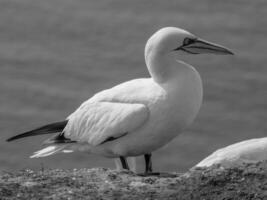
200, 46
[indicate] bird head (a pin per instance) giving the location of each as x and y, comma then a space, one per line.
172, 39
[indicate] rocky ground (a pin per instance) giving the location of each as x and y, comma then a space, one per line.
245, 182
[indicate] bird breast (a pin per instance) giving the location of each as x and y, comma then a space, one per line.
171, 108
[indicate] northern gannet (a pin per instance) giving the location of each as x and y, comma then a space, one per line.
138, 116
248, 151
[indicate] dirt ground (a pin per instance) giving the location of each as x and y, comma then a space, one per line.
246, 182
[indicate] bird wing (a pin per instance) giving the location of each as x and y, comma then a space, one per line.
97, 122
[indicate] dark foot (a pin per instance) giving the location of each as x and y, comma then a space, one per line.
149, 171
149, 174
158, 174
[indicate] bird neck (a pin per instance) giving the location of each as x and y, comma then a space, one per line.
182, 83
164, 67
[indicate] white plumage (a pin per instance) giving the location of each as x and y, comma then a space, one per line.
146, 112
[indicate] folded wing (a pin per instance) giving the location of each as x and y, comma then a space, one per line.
96, 122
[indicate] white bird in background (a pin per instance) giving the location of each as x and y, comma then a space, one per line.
139, 116
248, 151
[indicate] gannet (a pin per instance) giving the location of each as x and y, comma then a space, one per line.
248, 151
139, 116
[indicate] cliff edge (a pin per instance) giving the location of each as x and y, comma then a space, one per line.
248, 181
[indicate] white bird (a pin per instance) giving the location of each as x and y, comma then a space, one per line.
248, 151
139, 116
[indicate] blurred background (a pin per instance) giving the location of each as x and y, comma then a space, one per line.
55, 54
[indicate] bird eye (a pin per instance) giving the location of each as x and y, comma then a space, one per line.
188, 41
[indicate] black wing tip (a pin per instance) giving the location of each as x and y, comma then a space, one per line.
10, 139
49, 128
16, 137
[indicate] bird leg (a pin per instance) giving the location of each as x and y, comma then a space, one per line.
148, 169
124, 163
148, 163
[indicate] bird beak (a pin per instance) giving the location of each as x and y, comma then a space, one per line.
200, 46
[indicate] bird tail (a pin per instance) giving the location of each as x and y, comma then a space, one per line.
47, 129
50, 150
